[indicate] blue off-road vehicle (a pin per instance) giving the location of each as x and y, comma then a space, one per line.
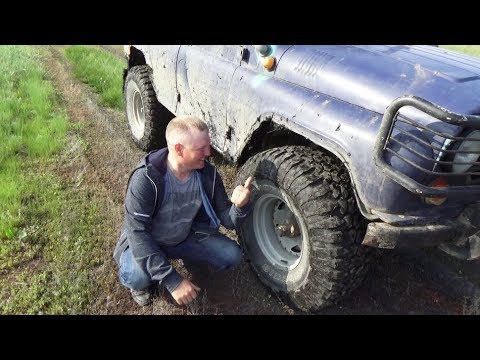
350, 146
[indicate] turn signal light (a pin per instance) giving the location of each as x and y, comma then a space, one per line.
268, 62
439, 183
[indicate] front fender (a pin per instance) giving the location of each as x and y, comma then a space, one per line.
346, 130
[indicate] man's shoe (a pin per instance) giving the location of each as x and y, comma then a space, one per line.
141, 297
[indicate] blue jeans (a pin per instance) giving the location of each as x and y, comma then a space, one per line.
215, 250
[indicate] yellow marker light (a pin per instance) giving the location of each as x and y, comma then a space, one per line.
268, 62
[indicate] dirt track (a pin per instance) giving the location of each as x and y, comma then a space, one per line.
399, 283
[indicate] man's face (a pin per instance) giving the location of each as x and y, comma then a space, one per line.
196, 149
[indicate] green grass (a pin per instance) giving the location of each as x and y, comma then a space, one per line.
466, 49
51, 237
30, 126
50, 263
101, 70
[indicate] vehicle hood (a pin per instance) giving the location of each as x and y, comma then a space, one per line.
372, 76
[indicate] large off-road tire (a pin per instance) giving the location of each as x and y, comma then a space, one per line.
147, 118
303, 238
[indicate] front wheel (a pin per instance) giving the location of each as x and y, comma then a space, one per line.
147, 118
303, 238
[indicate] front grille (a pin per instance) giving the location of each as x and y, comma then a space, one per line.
428, 151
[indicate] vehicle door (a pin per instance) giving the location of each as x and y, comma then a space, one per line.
163, 61
204, 75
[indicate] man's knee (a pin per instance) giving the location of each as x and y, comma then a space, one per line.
134, 281
130, 275
232, 256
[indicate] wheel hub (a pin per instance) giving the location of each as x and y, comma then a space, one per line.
277, 231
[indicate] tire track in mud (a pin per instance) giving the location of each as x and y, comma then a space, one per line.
99, 156
110, 150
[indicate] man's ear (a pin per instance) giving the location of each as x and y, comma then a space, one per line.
179, 149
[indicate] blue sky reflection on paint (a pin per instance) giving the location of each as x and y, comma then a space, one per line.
258, 79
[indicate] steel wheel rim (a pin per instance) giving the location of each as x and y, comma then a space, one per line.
136, 116
281, 251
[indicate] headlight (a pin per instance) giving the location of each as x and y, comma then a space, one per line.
470, 144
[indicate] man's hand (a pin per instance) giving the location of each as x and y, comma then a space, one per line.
241, 194
185, 293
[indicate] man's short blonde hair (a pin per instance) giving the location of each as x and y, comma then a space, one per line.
179, 128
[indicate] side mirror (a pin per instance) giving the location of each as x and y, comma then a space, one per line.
264, 50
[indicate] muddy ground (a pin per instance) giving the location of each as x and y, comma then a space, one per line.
413, 282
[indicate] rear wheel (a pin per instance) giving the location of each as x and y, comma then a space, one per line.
303, 238
147, 118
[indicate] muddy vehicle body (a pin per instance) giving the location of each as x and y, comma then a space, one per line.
351, 147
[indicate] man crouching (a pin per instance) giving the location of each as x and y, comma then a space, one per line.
174, 205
